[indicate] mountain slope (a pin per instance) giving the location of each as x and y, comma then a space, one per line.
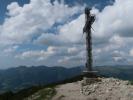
124, 72
103, 89
23, 77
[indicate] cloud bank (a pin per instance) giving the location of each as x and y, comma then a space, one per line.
58, 28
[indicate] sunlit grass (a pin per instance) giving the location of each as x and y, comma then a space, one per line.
43, 94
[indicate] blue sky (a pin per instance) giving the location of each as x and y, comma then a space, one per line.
3, 6
45, 32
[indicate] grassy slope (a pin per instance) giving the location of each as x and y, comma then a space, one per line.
43, 94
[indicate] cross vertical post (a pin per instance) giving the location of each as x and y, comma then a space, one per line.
87, 30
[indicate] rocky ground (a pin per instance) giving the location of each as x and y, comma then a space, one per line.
98, 89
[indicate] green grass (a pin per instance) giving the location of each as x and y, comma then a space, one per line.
43, 94
42, 91
131, 82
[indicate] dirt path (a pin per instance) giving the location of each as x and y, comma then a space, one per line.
69, 91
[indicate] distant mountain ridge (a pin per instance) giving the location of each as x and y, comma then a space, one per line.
24, 77
124, 72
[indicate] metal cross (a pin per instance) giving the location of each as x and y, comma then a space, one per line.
87, 29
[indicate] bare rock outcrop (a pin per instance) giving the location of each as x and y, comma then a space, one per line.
95, 89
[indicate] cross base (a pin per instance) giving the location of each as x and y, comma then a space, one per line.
90, 74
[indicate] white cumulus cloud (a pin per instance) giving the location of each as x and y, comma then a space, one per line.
112, 35
24, 22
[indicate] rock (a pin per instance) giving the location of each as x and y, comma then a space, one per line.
118, 83
106, 89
